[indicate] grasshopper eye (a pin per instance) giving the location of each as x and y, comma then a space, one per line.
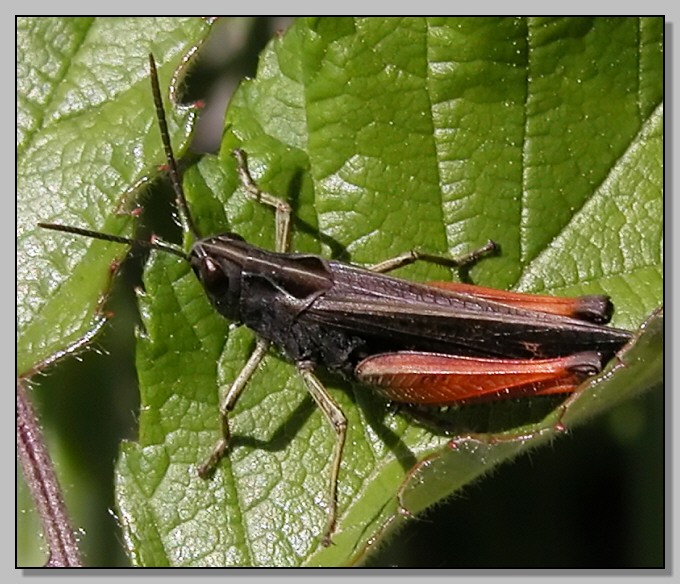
221, 280
213, 277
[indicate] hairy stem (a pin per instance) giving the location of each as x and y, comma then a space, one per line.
44, 487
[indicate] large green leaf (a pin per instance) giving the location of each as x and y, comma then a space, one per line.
545, 135
87, 141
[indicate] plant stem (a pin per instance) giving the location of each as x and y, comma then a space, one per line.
44, 487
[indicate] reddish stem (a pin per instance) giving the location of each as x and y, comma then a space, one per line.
44, 487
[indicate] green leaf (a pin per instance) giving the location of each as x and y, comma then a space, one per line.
87, 142
545, 135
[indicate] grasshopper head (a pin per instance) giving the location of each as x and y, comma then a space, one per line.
217, 263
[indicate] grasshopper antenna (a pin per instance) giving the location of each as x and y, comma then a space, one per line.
182, 206
152, 244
